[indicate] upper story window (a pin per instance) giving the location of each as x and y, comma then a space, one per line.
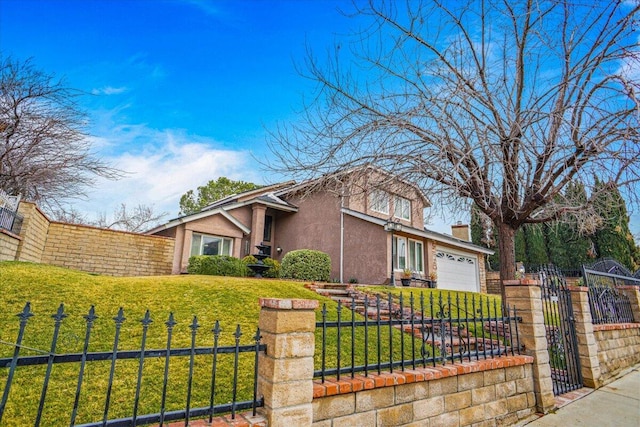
402, 208
202, 244
379, 201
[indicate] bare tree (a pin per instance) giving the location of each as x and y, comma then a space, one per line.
141, 218
495, 102
45, 154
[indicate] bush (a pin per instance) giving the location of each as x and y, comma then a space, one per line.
274, 266
306, 264
217, 265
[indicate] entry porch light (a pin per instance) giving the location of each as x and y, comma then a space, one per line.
393, 227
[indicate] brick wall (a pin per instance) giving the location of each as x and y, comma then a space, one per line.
109, 252
486, 392
8, 245
493, 282
85, 248
618, 348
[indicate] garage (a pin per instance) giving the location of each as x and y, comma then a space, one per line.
457, 270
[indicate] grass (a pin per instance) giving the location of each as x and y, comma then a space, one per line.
231, 301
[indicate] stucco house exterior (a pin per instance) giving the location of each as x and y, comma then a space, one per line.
342, 214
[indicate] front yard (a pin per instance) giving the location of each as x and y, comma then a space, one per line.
231, 301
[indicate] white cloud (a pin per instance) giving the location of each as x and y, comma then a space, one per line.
109, 90
170, 164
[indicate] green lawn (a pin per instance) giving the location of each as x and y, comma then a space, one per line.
229, 300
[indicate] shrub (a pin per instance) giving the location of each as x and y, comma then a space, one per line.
274, 266
217, 265
306, 264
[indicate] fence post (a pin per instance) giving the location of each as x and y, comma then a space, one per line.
633, 293
526, 296
285, 376
587, 346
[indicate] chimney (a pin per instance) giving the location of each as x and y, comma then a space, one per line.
461, 231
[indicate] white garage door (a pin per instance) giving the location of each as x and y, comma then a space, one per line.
457, 270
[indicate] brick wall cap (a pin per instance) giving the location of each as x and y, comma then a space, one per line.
615, 326
289, 304
578, 288
521, 282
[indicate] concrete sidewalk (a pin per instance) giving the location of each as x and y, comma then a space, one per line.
617, 405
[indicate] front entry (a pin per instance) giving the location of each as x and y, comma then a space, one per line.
559, 324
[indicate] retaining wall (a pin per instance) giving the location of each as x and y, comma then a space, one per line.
8, 245
487, 392
618, 348
86, 248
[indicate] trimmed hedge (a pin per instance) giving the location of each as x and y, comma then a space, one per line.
217, 265
273, 272
306, 264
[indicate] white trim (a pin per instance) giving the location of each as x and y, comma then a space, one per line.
432, 235
200, 215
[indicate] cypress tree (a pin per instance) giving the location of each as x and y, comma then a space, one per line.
614, 239
536, 245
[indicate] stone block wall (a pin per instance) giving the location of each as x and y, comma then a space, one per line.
618, 348
483, 393
489, 392
109, 252
85, 248
35, 226
8, 245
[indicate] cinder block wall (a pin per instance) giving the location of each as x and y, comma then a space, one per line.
109, 252
35, 226
8, 246
495, 396
618, 348
85, 248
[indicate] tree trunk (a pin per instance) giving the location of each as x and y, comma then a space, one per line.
507, 248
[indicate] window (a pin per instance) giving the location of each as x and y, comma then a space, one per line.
202, 244
268, 223
400, 244
416, 256
408, 254
379, 201
402, 208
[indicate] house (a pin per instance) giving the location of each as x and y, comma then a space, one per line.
343, 214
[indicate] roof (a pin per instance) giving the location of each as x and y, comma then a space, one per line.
426, 233
262, 195
338, 174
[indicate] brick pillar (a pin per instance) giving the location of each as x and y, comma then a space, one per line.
587, 346
526, 296
633, 293
285, 376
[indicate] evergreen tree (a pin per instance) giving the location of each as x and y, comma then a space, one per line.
536, 245
579, 247
521, 253
614, 239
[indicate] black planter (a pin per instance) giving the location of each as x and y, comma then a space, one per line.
405, 282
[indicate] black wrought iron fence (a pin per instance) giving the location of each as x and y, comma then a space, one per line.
379, 334
606, 303
10, 220
12, 366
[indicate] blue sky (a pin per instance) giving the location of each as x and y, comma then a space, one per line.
178, 91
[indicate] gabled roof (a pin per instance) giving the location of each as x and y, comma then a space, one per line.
359, 169
262, 195
248, 194
429, 234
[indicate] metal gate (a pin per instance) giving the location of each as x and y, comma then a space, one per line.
561, 334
